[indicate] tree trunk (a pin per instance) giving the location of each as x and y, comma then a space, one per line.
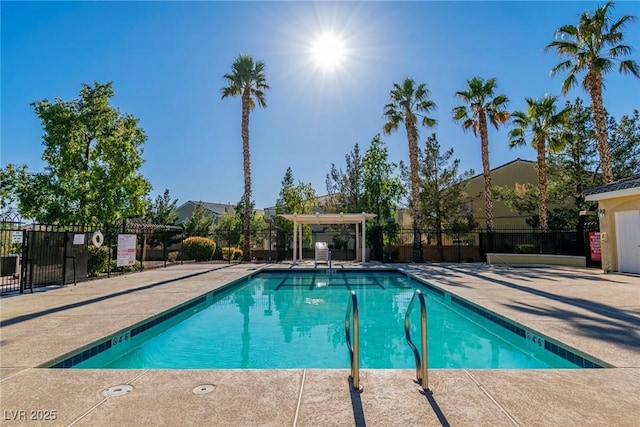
542, 184
486, 170
595, 90
246, 223
412, 136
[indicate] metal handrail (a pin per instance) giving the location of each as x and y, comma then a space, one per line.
422, 372
354, 349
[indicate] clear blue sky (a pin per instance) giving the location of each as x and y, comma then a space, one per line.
167, 60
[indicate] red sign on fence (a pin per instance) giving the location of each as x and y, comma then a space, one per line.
594, 246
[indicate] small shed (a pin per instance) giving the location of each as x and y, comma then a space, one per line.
619, 216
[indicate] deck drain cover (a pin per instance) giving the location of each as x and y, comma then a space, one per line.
117, 390
204, 389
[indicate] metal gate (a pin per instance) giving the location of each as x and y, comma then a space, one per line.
32, 256
53, 258
11, 247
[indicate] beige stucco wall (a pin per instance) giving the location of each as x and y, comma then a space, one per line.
517, 172
520, 172
608, 227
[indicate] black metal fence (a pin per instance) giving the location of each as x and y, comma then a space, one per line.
396, 245
37, 255
473, 246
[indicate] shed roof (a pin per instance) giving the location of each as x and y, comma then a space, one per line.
624, 187
217, 208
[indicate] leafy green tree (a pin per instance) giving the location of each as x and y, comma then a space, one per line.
163, 210
300, 198
481, 104
93, 154
525, 202
443, 188
248, 81
258, 224
200, 223
345, 188
12, 182
229, 228
410, 104
345, 194
574, 169
625, 146
593, 47
542, 126
383, 190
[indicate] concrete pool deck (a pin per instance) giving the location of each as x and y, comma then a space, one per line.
594, 313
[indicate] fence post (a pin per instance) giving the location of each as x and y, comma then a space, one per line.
32, 238
23, 263
65, 241
109, 243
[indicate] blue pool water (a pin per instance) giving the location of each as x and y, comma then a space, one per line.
296, 320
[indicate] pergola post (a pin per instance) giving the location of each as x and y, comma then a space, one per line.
364, 238
300, 239
357, 241
295, 240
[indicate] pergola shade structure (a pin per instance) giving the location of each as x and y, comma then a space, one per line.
326, 219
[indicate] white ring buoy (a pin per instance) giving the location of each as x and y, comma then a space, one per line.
97, 239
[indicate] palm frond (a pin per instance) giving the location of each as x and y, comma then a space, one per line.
247, 75
619, 50
630, 66
570, 82
429, 122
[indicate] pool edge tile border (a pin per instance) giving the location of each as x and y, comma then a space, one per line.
568, 353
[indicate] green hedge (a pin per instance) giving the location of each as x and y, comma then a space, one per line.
98, 260
198, 248
526, 248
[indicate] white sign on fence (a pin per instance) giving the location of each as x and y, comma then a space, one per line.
126, 249
16, 237
78, 239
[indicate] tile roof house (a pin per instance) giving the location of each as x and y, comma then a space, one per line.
186, 209
619, 216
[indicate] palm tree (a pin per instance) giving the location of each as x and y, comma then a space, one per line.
545, 128
481, 104
593, 46
410, 103
247, 80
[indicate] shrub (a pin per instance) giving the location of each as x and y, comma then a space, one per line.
127, 268
198, 248
173, 256
98, 260
231, 253
525, 249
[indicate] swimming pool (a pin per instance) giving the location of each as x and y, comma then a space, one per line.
295, 319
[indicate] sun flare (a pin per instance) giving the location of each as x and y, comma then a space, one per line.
328, 51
